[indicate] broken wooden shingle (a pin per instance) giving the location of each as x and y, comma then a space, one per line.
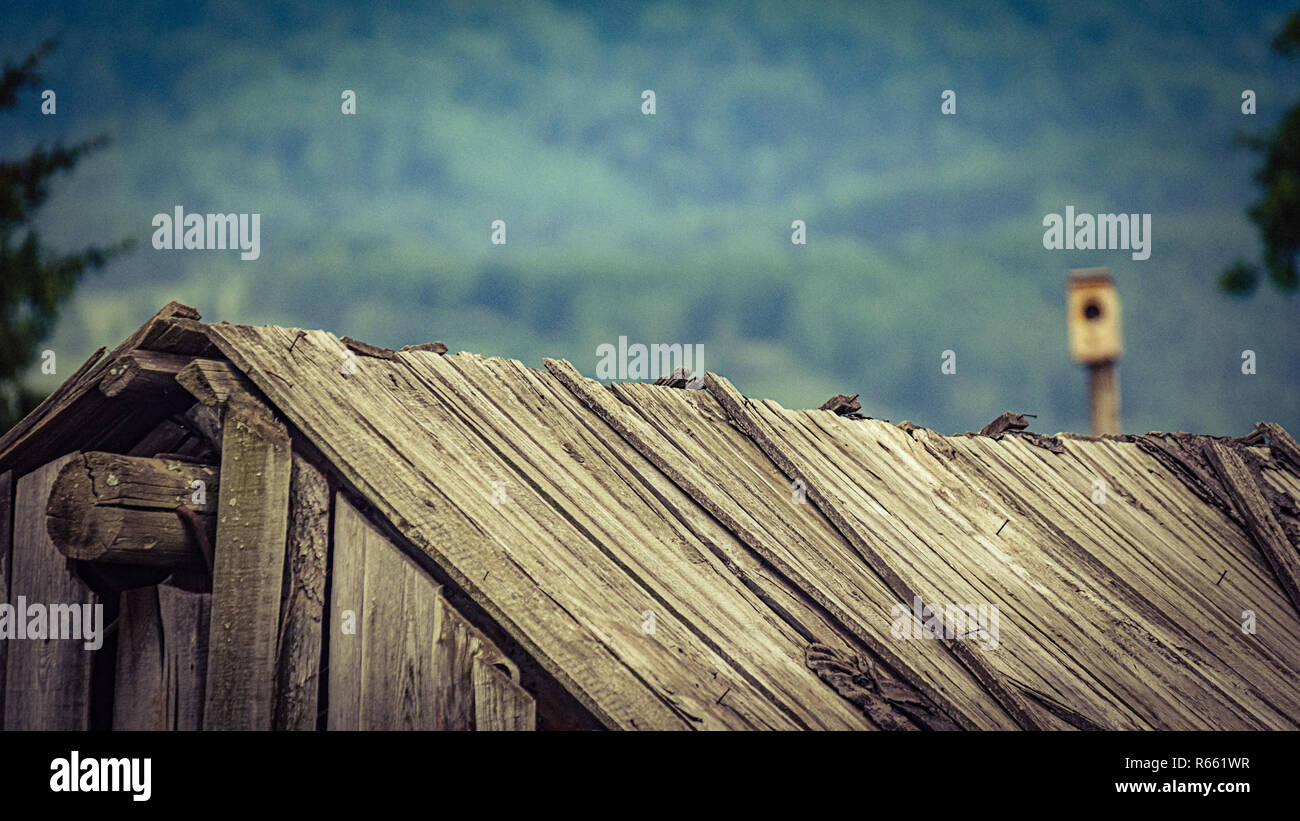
843, 405
366, 349
435, 347
679, 378
1007, 421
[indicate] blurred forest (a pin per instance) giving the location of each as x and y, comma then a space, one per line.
924, 230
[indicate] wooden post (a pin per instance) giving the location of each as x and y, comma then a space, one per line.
1096, 340
248, 569
1103, 398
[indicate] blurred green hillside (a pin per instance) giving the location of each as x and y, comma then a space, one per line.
924, 231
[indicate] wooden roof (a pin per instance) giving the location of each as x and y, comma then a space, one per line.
651, 556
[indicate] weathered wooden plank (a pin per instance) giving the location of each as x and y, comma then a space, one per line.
183, 335
500, 703
952, 543
48, 682
113, 508
1185, 572
138, 696
1257, 514
352, 536
302, 609
417, 701
249, 564
454, 652
383, 627
1108, 633
143, 376
6, 555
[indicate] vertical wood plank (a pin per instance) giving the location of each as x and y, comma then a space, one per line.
185, 619
162, 656
383, 629
47, 685
138, 679
347, 594
6, 543
453, 652
302, 609
500, 703
418, 686
249, 564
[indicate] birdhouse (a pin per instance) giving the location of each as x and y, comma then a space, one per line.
1092, 311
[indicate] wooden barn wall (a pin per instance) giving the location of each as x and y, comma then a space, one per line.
400, 657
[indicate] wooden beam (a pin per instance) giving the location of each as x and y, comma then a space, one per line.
123, 509
6, 544
1257, 514
249, 564
142, 376
47, 685
183, 335
302, 608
